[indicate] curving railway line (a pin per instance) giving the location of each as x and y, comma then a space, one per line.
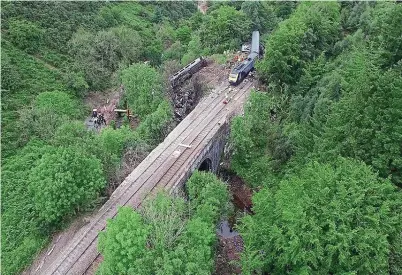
164, 168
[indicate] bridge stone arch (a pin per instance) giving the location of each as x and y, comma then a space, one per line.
207, 159
206, 165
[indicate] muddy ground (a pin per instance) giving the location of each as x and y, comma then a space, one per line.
230, 244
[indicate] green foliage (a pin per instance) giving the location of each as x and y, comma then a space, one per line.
166, 217
49, 111
368, 121
73, 133
261, 14
208, 196
385, 33
349, 109
195, 249
143, 86
194, 50
311, 29
124, 244
64, 181
76, 81
131, 44
96, 55
261, 147
224, 29
21, 230
173, 10
171, 237
183, 34
325, 219
284, 9
109, 145
221, 59
31, 77
100, 55
175, 51
59, 102
57, 20
353, 15
25, 35
153, 128
396, 255
10, 80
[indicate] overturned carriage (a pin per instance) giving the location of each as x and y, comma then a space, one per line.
185, 73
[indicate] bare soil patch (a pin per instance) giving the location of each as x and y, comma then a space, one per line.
105, 102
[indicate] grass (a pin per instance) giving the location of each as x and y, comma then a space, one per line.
34, 77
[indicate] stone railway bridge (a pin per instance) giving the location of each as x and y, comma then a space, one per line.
196, 143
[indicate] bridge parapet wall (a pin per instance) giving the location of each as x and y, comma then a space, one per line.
212, 150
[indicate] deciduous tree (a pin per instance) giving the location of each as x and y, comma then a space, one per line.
143, 86
63, 181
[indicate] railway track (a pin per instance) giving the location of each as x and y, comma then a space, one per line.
162, 169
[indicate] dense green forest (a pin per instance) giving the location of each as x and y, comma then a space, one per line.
320, 143
323, 145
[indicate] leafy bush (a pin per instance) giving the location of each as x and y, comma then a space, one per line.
224, 29
33, 78
64, 181
261, 147
194, 50
143, 87
385, 33
124, 244
10, 80
59, 102
109, 146
21, 233
50, 110
208, 195
311, 29
25, 35
169, 238
153, 128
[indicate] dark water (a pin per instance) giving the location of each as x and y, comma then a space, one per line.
225, 230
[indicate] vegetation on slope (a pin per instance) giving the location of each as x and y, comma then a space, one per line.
323, 145
168, 235
325, 135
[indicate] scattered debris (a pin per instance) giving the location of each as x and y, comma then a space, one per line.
51, 250
185, 145
186, 97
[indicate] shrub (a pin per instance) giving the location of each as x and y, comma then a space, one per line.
64, 181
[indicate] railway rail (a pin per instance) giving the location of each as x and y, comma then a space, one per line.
164, 167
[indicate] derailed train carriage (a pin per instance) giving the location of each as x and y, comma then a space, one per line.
185, 73
241, 71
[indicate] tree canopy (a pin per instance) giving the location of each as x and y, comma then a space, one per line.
171, 236
63, 181
225, 28
143, 87
326, 219
319, 142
